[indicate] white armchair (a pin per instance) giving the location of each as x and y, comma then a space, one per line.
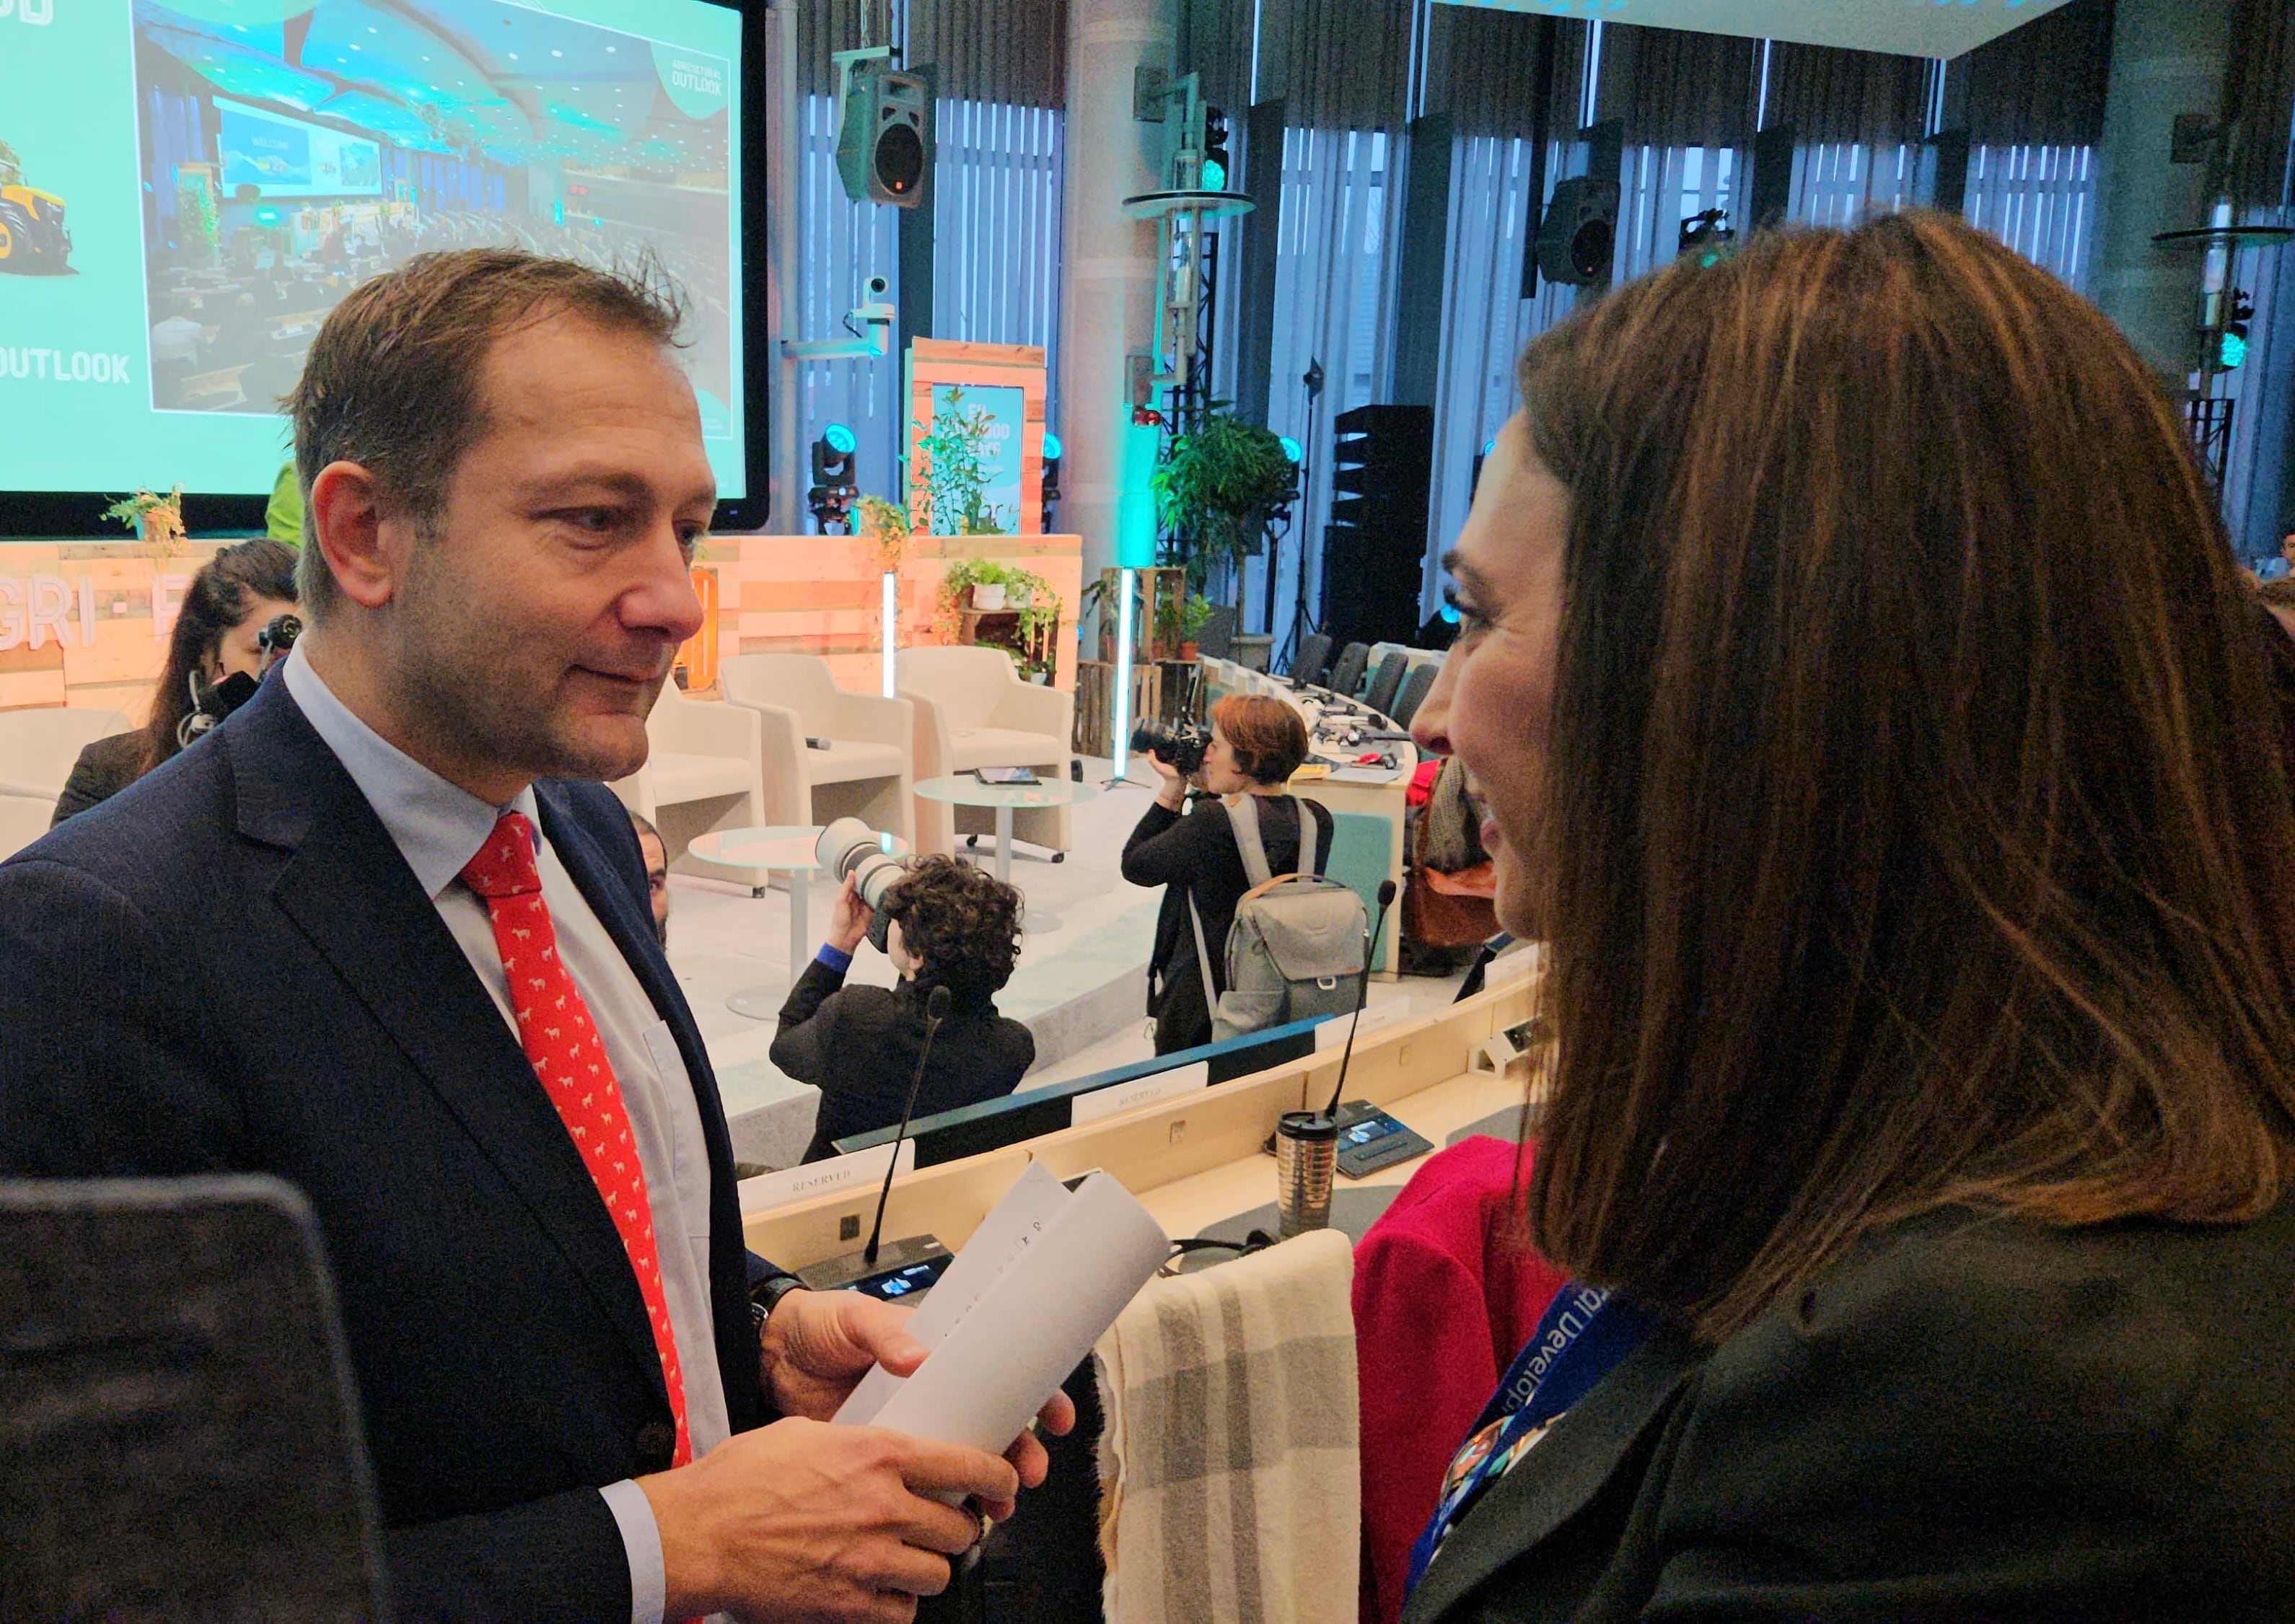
705, 770
972, 710
39, 746
23, 819
863, 774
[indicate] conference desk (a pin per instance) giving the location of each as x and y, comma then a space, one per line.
1195, 1160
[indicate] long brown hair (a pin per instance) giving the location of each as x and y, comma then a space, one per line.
1919, 837
226, 587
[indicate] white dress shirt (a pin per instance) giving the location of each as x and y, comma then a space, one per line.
439, 827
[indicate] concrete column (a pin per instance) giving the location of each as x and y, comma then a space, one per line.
1108, 263
2168, 58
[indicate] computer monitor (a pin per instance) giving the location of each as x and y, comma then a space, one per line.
186, 191
969, 1131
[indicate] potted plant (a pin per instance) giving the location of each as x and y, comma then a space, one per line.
159, 520
888, 523
1021, 593
1217, 488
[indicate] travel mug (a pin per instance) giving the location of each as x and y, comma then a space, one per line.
1306, 1155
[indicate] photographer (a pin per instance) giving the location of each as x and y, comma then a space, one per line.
1257, 743
949, 925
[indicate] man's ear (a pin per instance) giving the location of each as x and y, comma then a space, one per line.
349, 529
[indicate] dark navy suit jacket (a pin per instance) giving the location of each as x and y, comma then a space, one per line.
229, 966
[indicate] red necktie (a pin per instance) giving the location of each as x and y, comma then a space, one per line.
554, 1024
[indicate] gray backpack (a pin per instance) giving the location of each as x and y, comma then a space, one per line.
1300, 942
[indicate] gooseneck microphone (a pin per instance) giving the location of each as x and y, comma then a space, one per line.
935, 1012
1362, 992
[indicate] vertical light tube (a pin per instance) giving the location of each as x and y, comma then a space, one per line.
1122, 733
891, 615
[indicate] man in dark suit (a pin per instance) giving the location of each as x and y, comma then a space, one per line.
383, 936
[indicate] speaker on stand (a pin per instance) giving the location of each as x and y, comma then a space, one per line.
1375, 546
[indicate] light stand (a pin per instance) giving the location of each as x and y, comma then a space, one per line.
1300, 620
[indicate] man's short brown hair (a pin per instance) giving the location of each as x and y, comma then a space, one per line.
392, 379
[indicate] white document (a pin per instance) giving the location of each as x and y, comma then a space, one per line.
862, 1170
1118, 1097
1045, 1274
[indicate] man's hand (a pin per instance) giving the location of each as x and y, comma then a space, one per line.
802, 1524
848, 920
818, 1345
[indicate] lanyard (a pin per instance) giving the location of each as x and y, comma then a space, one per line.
1581, 1337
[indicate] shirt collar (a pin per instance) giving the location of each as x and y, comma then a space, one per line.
438, 826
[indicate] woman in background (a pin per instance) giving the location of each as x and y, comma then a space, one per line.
1257, 743
1915, 875
236, 595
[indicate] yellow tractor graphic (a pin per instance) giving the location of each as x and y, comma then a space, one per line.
32, 234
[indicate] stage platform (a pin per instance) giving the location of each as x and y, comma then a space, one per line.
1081, 985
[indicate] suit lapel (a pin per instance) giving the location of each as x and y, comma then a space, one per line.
350, 893
1579, 1456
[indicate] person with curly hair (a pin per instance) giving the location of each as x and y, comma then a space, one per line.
950, 926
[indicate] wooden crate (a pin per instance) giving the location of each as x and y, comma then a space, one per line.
1093, 692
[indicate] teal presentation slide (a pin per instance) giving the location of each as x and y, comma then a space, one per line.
187, 188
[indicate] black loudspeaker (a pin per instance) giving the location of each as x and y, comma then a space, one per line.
1374, 549
885, 142
1578, 239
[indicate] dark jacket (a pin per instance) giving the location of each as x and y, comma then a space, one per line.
1964, 1420
229, 966
102, 771
859, 1046
1195, 852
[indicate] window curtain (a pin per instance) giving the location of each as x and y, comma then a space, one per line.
1688, 103
1514, 84
1343, 71
1858, 117
2032, 103
995, 202
2259, 92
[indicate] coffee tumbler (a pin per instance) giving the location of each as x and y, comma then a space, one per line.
1306, 1153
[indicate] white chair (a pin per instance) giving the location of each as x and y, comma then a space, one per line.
972, 710
23, 819
863, 774
38, 746
705, 770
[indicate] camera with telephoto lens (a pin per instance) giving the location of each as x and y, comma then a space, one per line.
277, 638
849, 847
1182, 744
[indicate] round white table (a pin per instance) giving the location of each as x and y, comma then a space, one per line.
963, 789
780, 849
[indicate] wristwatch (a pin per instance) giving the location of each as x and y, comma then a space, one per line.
766, 1295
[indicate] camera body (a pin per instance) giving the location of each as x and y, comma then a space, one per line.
1183, 744
849, 847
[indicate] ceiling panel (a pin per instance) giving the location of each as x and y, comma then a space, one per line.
1910, 27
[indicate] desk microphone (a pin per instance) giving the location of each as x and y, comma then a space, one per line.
1362, 992
935, 1012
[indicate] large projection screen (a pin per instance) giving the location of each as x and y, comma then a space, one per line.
188, 188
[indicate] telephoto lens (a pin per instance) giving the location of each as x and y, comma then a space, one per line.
1180, 743
849, 847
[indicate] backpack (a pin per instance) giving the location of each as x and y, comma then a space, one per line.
1300, 944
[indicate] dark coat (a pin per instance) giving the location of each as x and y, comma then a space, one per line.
229, 968
1195, 853
1965, 1420
859, 1046
102, 771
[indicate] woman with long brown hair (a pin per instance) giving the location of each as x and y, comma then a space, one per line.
1860, 693
234, 595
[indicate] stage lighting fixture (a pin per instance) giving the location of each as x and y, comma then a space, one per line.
1051, 490
1217, 166
885, 138
1705, 238
2231, 342
1292, 450
833, 488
